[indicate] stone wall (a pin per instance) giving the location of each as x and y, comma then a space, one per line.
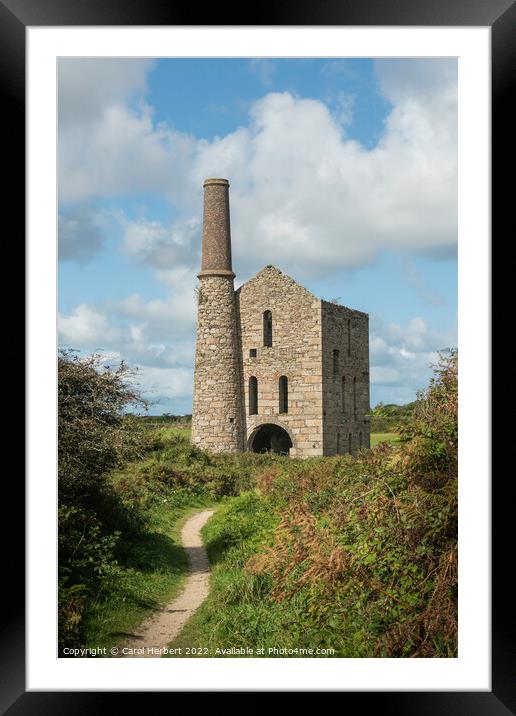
217, 422
346, 425
295, 353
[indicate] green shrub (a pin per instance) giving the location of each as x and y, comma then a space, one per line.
95, 436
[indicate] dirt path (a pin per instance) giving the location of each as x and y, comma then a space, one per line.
165, 624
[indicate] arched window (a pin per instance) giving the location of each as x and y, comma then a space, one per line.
343, 394
267, 329
283, 394
253, 396
354, 398
335, 362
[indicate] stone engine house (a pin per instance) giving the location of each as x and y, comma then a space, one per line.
276, 368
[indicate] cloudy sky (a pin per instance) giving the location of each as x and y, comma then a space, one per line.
343, 174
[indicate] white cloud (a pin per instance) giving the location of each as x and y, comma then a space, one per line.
313, 201
419, 80
108, 141
149, 336
156, 336
81, 235
162, 247
123, 151
303, 195
402, 357
88, 86
174, 314
342, 106
172, 383
88, 326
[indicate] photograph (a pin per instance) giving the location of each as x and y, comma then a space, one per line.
258, 376
257, 369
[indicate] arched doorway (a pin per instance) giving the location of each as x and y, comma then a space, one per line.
270, 438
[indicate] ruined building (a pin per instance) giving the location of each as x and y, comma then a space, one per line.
275, 367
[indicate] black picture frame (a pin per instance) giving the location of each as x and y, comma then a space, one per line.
500, 15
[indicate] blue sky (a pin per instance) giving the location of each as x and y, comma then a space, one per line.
343, 174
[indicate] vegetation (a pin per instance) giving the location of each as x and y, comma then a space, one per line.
358, 555
95, 436
354, 554
166, 419
378, 438
125, 486
390, 418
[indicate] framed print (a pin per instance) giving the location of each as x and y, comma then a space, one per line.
272, 105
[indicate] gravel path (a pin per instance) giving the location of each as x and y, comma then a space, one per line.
165, 624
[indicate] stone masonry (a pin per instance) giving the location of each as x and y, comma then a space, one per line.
345, 383
217, 420
276, 367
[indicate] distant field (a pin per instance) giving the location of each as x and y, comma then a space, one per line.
174, 429
181, 430
377, 438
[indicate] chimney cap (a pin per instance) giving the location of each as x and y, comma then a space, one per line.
208, 182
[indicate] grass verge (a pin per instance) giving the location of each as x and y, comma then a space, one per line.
231, 618
152, 570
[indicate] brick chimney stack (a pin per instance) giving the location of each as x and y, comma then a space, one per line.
216, 233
